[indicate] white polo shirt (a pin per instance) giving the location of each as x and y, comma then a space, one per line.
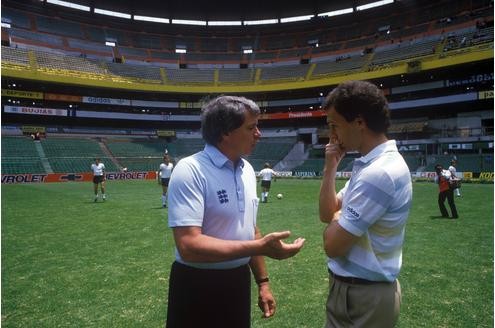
166, 170
207, 191
266, 174
453, 171
375, 207
98, 169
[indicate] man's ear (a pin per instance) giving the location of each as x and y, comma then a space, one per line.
224, 137
360, 121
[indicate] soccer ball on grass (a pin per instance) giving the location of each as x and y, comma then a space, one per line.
280, 196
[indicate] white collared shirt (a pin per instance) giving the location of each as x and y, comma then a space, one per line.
206, 190
375, 207
266, 174
453, 171
98, 169
166, 170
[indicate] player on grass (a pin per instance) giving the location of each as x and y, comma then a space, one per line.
266, 180
164, 173
98, 169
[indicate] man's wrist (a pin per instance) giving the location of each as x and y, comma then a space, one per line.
263, 280
329, 171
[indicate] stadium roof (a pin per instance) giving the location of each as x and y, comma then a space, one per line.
223, 9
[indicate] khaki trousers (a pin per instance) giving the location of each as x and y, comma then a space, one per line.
355, 305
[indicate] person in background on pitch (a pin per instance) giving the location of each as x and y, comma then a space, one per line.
212, 212
445, 191
164, 173
98, 169
453, 172
266, 181
366, 219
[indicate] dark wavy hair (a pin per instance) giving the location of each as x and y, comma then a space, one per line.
352, 99
224, 114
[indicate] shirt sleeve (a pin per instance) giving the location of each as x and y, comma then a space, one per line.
185, 196
342, 191
366, 202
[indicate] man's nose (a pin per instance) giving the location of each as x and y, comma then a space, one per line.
257, 133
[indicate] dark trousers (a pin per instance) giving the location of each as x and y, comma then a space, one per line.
208, 297
449, 194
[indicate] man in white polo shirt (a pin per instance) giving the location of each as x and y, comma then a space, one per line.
212, 211
367, 218
453, 172
266, 181
98, 169
164, 173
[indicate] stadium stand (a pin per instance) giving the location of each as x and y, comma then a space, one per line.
136, 154
135, 53
26, 36
183, 147
17, 18
413, 162
212, 57
135, 147
338, 64
149, 74
293, 72
19, 155
407, 127
74, 154
406, 50
96, 34
271, 150
316, 161
57, 26
467, 37
465, 162
165, 56
18, 147
331, 37
146, 154
22, 166
70, 46
190, 76
146, 41
236, 75
49, 61
87, 47
14, 56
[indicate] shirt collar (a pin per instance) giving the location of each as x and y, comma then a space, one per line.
218, 158
388, 146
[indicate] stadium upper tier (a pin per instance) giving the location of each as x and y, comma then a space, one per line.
386, 31
465, 44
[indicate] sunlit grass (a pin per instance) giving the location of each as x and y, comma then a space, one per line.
69, 262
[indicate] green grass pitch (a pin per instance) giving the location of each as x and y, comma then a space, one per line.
70, 262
